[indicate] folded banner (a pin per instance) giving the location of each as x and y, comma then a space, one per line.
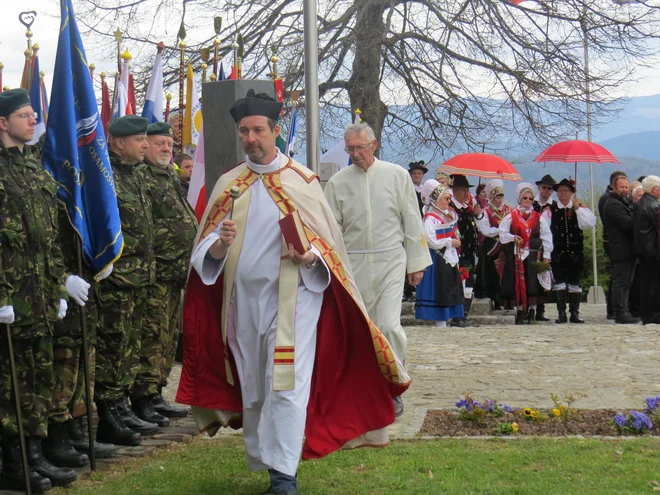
75, 151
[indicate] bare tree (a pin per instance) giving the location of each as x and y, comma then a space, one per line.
427, 73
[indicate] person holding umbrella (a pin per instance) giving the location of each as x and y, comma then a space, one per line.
532, 242
568, 220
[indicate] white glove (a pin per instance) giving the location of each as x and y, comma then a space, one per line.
7, 315
105, 272
61, 313
78, 289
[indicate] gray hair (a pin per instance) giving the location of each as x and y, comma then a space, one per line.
650, 182
359, 128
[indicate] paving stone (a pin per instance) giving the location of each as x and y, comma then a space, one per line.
139, 451
174, 437
155, 442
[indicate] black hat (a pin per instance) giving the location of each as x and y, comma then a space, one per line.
255, 104
547, 179
13, 99
565, 182
417, 166
459, 180
160, 129
128, 125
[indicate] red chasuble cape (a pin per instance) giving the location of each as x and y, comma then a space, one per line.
355, 372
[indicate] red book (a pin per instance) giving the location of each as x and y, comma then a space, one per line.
294, 232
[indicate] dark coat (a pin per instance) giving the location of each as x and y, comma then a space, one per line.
645, 226
617, 219
601, 206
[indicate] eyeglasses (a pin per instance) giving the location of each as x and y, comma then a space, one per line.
24, 116
352, 149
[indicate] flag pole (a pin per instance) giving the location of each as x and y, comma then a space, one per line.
19, 416
217, 27
311, 84
182, 47
85, 359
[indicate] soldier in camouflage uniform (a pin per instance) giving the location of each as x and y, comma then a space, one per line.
33, 285
123, 294
175, 228
67, 443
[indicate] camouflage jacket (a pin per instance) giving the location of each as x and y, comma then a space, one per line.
137, 265
175, 225
32, 273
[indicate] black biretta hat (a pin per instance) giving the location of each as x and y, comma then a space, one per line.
255, 104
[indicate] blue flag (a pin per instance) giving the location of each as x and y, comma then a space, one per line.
76, 153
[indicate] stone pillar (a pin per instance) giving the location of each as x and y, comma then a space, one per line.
222, 148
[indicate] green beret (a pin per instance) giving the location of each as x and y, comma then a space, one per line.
129, 125
11, 100
160, 129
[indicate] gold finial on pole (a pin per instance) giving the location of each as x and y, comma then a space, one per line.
205, 55
103, 76
358, 114
213, 77
217, 27
35, 49
118, 35
6, 88
27, 19
91, 71
126, 56
274, 59
41, 75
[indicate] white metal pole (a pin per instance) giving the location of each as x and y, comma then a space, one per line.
311, 85
591, 166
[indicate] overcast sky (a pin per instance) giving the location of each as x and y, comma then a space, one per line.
13, 43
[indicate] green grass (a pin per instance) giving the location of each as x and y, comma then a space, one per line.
525, 466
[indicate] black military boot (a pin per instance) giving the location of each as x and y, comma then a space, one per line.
129, 418
80, 440
574, 307
111, 429
540, 313
161, 406
12, 477
57, 476
531, 316
144, 409
58, 449
561, 306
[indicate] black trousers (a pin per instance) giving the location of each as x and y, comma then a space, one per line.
608, 295
650, 288
623, 272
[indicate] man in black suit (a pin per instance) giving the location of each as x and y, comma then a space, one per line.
617, 216
645, 229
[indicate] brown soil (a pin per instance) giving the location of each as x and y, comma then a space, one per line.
585, 422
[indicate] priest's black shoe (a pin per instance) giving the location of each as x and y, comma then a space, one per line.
626, 319
459, 322
80, 440
57, 476
111, 429
144, 409
58, 449
161, 406
129, 418
12, 476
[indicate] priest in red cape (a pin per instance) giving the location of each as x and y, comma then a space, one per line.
276, 341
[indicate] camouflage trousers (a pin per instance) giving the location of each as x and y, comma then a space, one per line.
34, 371
69, 373
118, 342
160, 335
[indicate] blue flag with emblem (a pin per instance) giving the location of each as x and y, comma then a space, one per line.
76, 154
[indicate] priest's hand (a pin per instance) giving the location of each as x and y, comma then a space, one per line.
228, 233
415, 278
309, 258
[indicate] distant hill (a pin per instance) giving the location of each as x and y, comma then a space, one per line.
640, 144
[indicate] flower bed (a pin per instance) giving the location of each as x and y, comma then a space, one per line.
473, 418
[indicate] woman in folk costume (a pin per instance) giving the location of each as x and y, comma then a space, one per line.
276, 341
440, 293
530, 235
489, 274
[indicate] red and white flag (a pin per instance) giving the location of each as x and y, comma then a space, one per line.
197, 189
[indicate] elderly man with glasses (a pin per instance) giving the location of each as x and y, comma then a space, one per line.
375, 205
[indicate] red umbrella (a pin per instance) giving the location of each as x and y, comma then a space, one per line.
576, 151
482, 165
